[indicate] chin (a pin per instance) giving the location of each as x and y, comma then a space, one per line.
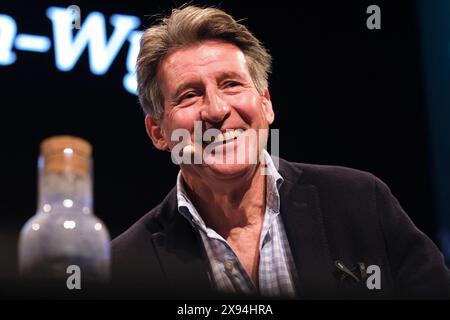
225, 171
224, 168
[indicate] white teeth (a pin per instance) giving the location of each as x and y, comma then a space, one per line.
227, 135
219, 138
189, 149
236, 133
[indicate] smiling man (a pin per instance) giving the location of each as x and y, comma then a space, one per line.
236, 223
210, 82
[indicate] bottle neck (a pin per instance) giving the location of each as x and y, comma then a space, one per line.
65, 189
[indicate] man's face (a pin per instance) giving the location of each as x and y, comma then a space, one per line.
210, 82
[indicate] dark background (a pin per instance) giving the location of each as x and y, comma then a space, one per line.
343, 95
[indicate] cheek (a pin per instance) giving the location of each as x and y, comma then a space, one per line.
183, 118
179, 119
248, 106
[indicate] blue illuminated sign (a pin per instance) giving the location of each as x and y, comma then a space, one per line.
69, 44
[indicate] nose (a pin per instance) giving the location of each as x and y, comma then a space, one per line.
216, 109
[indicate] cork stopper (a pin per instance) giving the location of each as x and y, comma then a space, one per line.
66, 153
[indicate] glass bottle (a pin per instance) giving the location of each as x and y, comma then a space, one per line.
64, 232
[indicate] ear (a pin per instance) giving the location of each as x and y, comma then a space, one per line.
267, 106
156, 133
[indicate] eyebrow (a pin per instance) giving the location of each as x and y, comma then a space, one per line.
231, 74
197, 82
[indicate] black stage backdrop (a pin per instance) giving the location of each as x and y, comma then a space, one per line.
343, 95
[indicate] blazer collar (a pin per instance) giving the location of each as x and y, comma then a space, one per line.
303, 221
180, 252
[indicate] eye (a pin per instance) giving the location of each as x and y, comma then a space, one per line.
187, 95
232, 84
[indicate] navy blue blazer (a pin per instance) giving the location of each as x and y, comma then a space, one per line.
330, 214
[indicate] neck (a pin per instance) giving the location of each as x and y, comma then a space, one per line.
227, 205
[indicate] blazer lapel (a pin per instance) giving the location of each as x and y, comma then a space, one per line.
302, 218
181, 255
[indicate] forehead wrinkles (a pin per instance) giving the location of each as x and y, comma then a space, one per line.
195, 62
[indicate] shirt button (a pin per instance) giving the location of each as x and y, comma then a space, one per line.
229, 264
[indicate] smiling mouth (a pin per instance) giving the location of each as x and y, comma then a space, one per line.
223, 138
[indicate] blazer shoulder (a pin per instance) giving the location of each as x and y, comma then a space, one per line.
330, 176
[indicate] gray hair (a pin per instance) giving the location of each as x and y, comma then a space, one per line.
184, 27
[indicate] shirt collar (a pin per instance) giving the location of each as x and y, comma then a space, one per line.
185, 206
274, 181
